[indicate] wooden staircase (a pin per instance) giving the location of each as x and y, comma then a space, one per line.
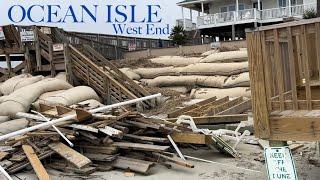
88, 66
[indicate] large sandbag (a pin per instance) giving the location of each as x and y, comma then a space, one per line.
208, 53
61, 76
175, 60
206, 93
129, 72
4, 119
240, 80
13, 125
165, 81
71, 96
209, 69
21, 99
231, 56
18, 82
149, 73
43, 96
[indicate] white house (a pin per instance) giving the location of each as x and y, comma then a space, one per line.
229, 18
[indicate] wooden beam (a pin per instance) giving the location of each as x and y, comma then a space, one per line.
237, 109
223, 107
189, 138
70, 155
258, 85
35, 162
217, 119
188, 108
306, 66
293, 78
141, 147
135, 165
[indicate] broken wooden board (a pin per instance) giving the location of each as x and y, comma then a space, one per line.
175, 160
35, 163
67, 168
221, 145
100, 157
112, 132
135, 165
84, 128
188, 108
141, 147
98, 149
218, 109
189, 138
146, 138
70, 155
217, 119
238, 109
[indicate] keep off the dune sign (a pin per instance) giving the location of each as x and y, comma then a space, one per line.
280, 164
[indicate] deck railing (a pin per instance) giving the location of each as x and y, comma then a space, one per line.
254, 15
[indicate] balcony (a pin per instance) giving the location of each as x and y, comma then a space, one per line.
252, 15
189, 25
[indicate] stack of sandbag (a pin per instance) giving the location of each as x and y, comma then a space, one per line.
205, 93
211, 69
149, 73
61, 76
21, 99
68, 97
130, 73
18, 82
173, 81
175, 60
230, 56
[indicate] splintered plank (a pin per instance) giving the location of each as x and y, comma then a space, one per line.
132, 164
142, 147
188, 108
146, 138
112, 132
35, 162
237, 109
70, 155
189, 138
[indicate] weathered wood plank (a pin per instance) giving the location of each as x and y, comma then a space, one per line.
306, 66
70, 155
237, 109
35, 162
141, 147
292, 70
217, 119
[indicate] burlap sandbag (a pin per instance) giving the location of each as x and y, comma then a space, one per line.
18, 82
165, 81
209, 69
230, 56
206, 93
43, 96
61, 76
240, 80
71, 96
175, 60
4, 119
21, 99
13, 125
129, 72
149, 73
208, 53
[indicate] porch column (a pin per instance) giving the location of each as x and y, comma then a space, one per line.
184, 20
237, 9
259, 5
259, 8
290, 13
191, 14
202, 8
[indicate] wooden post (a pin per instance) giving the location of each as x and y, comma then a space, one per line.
8, 60
27, 59
52, 66
38, 51
68, 64
257, 81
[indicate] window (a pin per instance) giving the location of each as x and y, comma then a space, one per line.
232, 8
241, 7
282, 3
224, 9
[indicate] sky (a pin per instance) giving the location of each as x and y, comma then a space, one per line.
168, 14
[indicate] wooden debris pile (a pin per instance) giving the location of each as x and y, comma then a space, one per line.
118, 138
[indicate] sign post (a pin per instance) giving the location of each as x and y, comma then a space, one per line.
280, 164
